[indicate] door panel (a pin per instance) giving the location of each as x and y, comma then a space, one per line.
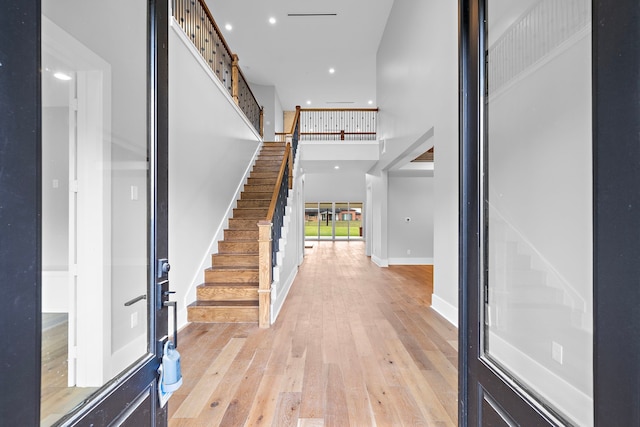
20, 196
537, 201
547, 281
105, 72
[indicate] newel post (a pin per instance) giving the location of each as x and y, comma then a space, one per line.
234, 79
264, 274
262, 122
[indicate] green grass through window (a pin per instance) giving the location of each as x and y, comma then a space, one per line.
343, 229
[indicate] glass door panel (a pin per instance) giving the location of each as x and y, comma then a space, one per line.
311, 221
355, 222
325, 225
538, 202
342, 217
95, 197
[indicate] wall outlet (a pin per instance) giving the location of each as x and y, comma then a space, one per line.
557, 352
134, 319
408, 251
134, 192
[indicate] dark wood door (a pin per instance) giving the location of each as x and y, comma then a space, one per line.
548, 246
129, 396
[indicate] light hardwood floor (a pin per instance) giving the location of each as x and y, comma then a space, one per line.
56, 398
354, 345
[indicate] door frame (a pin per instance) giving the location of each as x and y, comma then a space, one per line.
133, 393
616, 213
20, 196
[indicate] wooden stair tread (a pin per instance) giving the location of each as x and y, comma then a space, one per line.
230, 285
230, 290
224, 304
232, 268
246, 254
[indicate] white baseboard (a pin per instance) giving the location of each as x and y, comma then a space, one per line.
379, 261
410, 261
446, 310
282, 292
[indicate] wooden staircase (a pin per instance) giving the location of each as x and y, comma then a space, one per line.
229, 293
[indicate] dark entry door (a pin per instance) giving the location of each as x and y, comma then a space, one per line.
549, 183
83, 190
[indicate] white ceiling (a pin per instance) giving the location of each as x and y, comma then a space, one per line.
296, 53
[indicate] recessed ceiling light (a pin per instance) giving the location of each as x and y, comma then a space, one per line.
62, 76
332, 70
336, 167
308, 102
272, 20
370, 102
228, 27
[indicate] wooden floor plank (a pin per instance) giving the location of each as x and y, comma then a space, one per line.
354, 345
238, 410
198, 397
287, 410
336, 411
264, 405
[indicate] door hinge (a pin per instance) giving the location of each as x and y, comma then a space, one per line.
73, 186
73, 270
73, 104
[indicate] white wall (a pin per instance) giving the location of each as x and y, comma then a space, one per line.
211, 147
55, 188
410, 242
55, 209
335, 187
377, 218
417, 89
267, 97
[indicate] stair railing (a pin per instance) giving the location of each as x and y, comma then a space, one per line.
335, 124
270, 229
197, 22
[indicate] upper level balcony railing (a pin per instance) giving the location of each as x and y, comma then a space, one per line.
320, 124
196, 21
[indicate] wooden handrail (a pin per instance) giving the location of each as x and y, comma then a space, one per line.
198, 34
276, 190
299, 110
247, 84
213, 21
296, 119
338, 133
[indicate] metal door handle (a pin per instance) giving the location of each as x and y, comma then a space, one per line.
135, 300
174, 304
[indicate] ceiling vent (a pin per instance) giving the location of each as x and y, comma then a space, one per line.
311, 14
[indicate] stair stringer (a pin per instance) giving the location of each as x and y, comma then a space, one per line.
190, 295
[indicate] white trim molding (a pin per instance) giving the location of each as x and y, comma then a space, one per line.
446, 310
410, 261
379, 261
